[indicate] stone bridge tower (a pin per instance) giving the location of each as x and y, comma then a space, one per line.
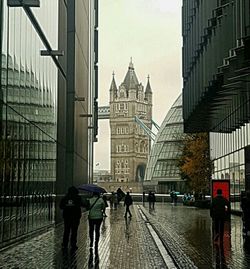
130, 145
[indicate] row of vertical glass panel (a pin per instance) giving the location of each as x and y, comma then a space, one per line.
228, 152
210, 30
28, 100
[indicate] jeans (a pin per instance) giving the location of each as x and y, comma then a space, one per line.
70, 226
94, 225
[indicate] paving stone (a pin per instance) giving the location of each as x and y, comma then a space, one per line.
185, 231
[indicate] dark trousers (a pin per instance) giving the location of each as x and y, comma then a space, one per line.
70, 226
94, 225
219, 227
128, 211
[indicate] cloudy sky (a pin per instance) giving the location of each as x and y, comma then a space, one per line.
149, 31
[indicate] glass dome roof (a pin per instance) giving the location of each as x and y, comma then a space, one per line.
162, 163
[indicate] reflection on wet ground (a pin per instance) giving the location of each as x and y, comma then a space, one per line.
191, 230
127, 243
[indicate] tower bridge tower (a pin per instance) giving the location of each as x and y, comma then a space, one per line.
130, 145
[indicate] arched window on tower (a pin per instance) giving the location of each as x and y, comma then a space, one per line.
136, 147
142, 146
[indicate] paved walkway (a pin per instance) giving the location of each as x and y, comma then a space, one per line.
184, 233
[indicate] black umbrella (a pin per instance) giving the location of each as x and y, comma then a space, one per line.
92, 188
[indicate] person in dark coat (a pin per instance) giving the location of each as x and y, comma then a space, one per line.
143, 198
71, 205
245, 205
128, 201
153, 200
219, 212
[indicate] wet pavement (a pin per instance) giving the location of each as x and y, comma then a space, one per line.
185, 232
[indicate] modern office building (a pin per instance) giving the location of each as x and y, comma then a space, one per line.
48, 94
162, 172
130, 145
216, 76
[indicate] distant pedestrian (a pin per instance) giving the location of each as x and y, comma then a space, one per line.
96, 208
114, 200
150, 200
128, 201
219, 212
245, 205
111, 200
120, 195
175, 198
71, 206
172, 196
143, 198
153, 200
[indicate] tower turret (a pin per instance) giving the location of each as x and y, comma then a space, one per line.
129, 143
113, 89
148, 92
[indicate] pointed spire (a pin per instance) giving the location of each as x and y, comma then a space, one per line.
131, 66
113, 86
130, 79
148, 87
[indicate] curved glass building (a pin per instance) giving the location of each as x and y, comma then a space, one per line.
162, 173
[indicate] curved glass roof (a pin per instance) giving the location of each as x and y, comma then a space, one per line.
162, 163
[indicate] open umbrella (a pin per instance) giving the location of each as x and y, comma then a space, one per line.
92, 188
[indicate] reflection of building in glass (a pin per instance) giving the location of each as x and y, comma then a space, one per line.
46, 136
216, 75
162, 172
29, 124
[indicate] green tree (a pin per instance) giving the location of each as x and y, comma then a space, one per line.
194, 163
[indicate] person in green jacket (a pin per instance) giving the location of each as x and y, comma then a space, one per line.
96, 209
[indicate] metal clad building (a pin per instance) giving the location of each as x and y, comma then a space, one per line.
216, 76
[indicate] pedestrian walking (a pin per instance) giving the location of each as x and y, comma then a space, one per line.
143, 198
114, 200
128, 201
245, 205
150, 199
120, 194
153, 200
71, 205
219, 212
96, 208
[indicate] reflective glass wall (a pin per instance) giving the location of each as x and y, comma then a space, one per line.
229, 151
28, 98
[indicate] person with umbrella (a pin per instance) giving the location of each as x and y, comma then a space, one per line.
96, 209
71, 205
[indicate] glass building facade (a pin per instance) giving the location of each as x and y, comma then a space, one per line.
37, 111
216, 76
162, 171
28, 121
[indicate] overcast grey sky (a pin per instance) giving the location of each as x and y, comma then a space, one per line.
149, 31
